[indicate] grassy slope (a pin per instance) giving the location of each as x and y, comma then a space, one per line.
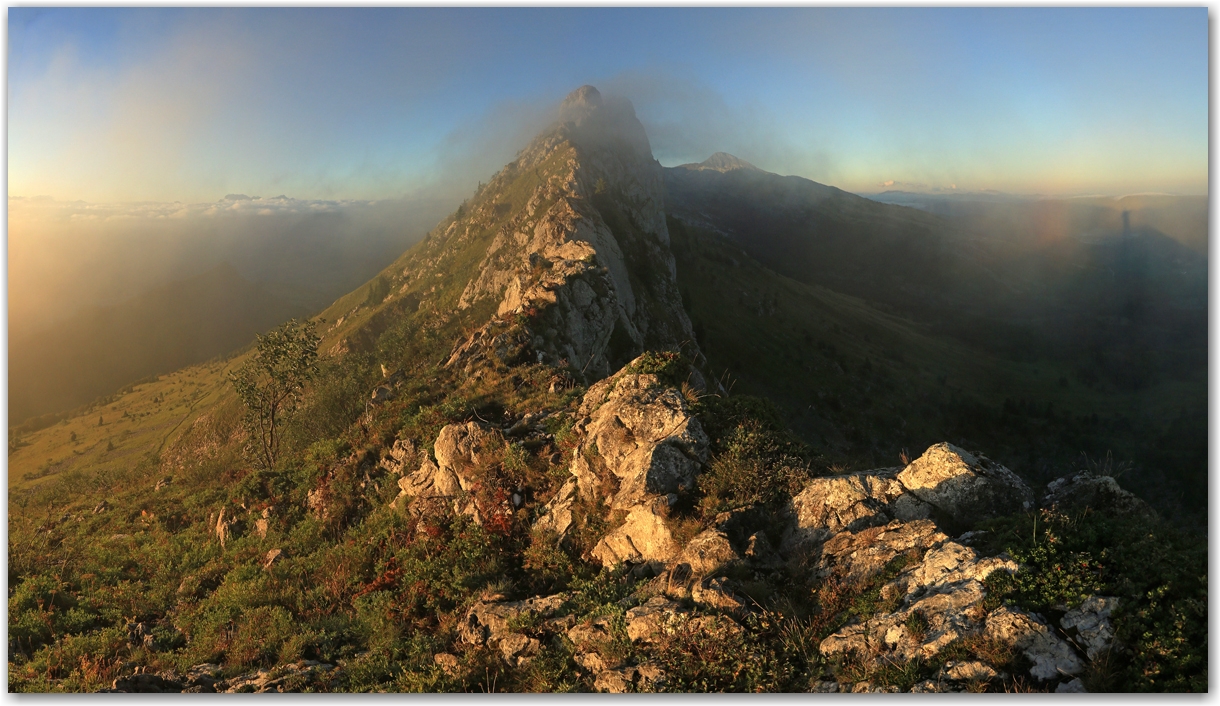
49, 466
370, 591
137, 424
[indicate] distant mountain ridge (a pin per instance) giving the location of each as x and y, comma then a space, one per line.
719, 162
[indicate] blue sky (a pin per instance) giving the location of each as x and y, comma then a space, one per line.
191, 104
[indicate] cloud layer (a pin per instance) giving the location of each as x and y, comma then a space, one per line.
67, 255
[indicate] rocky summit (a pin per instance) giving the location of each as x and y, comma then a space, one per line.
508, 465
583, 274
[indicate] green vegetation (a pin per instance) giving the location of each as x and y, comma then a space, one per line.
756, 460
271, 382
1158, 572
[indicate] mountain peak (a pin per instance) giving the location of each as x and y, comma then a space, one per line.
584, 98
597, 121
576, 261
721, 162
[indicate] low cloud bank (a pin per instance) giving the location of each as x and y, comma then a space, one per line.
68, 255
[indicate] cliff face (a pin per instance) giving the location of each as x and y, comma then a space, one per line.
581, 275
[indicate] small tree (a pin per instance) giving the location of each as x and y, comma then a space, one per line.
271, 382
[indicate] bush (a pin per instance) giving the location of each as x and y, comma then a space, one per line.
712, 655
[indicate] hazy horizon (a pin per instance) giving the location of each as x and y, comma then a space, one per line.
164, 105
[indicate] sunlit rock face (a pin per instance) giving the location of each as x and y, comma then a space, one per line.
582, 273
965, 486
640, 439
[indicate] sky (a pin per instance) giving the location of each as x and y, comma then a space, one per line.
192, 104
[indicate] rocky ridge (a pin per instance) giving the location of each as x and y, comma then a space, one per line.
583, 276
640, 448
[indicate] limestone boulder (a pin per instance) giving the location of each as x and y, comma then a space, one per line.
466, 448
939, 598
946, 615
629, 678
489, 621
285, 678
647, 622
401, 457
949, 563
1053, 658
645, 434
463, 453
857, 556
228, 525
589, 635
643, 537
715, 592
709, 553
833, 504
965, 486
969, 670
648, 448
557, 514
517, 649
272, 557
1090, 625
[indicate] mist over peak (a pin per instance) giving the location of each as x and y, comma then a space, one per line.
595, 120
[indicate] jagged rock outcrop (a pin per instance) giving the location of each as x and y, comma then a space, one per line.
642, 537
400, 457
463, 453
966, 487
855, 556
640, 446
558, 515
492, 623
854, 528
582, 274
227, 525
939, 601
644, 624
